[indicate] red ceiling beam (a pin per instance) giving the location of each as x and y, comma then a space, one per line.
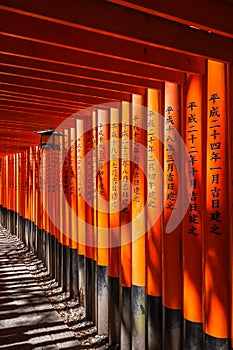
126, 23
27, 122
22, 141
49, 84
11, 150
209, 15
80, 40
72, 80
53, 54
58, 95
20, 127
13, 101
31, 126
32, 111
31, 108
36, 100
10, 116
25, 118
122, 80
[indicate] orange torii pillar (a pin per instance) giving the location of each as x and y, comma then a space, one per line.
65, 212
1, 207
193, 221
31, 199
102, 220
4, 188
95, 223
19, 197
74, 211
154, 219
114, 227
171, 242
126, 228
60, 218
138, 223
39, 205
11, 193
53, 194
230, 195
42, 202
26, 197
1, 190
46, 178
10, 189
36, 197
90, 194
216, 269
16, 195
81, 207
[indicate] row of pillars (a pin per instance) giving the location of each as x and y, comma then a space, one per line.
75, 273
128, 316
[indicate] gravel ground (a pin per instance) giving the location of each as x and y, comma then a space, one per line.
69, 309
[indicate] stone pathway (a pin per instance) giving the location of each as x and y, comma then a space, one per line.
27, 318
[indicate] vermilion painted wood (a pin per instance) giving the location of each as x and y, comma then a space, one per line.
206, 19
84, 40
184, 39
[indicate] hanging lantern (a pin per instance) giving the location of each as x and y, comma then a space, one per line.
49, 138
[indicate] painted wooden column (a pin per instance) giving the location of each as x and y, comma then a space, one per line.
81, 173
16, 193
95, 220
74, 213
23, 197
20, 196
193, 221
60, 262
126, 228
102, 220
1, 190
230, 180
54, 184
90, 163
217, 235
154, 220
114, 227
171, 250
66, 214
138, 224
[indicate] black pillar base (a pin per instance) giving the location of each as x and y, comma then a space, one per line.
138, 317
81, 279
74, 273
27, 232
211, 343
66, 269
47, 251
102, 290
52, 255
172, 329
59, 263
193, 335
114, 310
21, 228
17, 224
154, 322
126, 318
90, 289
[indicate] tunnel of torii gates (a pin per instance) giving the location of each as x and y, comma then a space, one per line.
131, 211
130, 208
